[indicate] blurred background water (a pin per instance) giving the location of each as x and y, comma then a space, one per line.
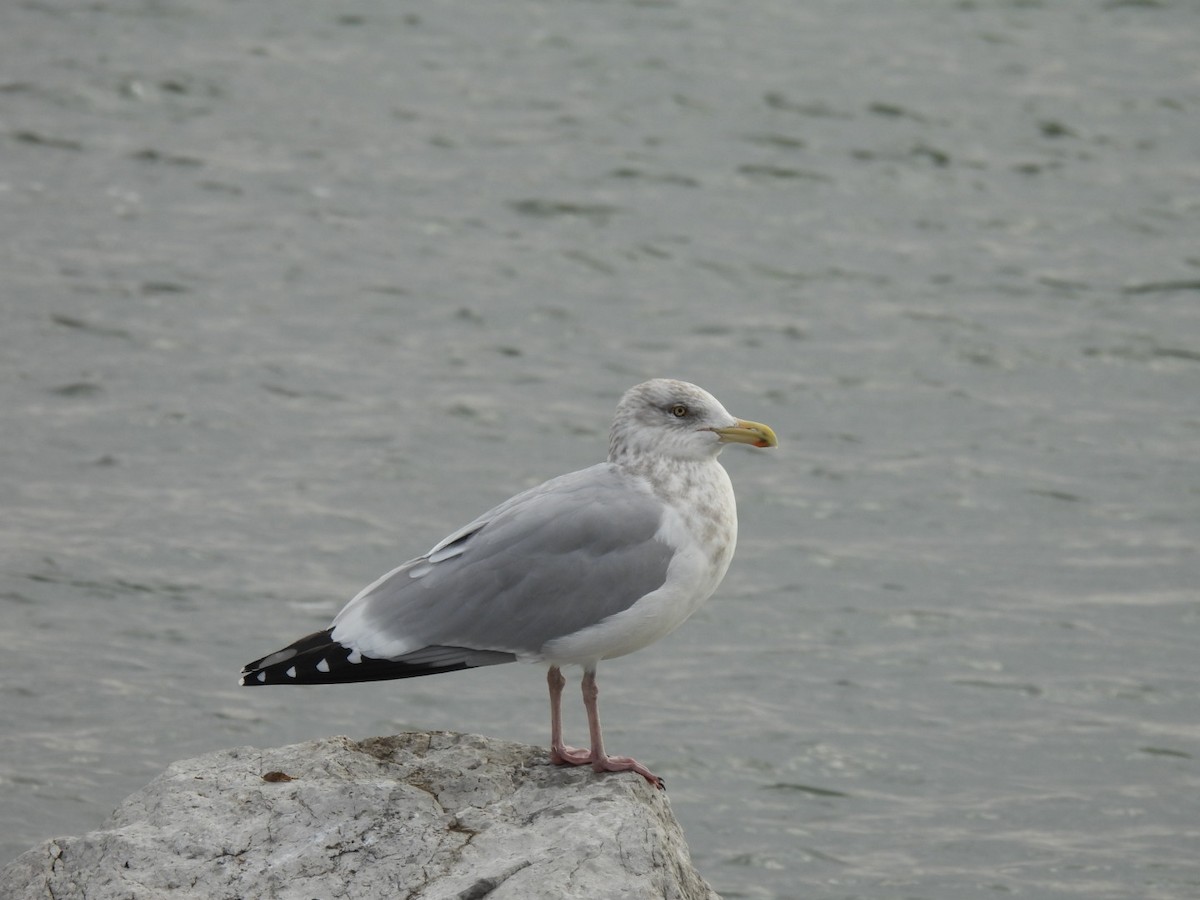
290, 289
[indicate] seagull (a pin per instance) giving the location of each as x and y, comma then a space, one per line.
586, 567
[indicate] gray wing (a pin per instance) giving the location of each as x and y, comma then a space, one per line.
546, 563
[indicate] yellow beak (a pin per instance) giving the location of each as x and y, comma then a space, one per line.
754, 433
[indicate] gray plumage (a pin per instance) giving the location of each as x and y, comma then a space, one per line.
585, 567
546, 563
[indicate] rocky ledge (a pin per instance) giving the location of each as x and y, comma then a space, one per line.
424, 816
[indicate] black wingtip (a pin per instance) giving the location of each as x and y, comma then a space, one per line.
319, 659
273, 668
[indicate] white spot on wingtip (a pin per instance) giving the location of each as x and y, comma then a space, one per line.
262, 677
323, 666
291, 673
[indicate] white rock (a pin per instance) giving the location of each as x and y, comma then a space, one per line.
424, 816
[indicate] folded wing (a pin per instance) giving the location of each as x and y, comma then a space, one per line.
549, 562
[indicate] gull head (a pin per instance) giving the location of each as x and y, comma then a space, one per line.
674, 419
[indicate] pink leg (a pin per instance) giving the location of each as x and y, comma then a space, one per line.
601, 761
560, 753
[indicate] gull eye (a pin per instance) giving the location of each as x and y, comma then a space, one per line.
679, 410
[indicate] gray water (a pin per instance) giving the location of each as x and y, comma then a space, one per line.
290, 289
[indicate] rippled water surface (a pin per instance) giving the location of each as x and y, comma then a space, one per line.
290, 289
